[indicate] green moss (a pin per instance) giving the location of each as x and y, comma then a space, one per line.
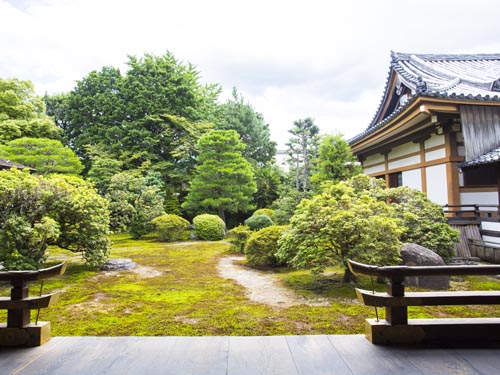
188, 297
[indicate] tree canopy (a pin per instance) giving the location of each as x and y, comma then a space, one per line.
224, 179
36, 211
43, 154
22, 112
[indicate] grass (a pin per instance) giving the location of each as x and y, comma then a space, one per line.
189, 298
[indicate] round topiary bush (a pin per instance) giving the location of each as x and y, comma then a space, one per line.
262, 246
238, 236
171, 227
265, 211
209, 227
257, 222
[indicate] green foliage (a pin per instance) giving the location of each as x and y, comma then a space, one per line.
335, 161
424, 219
238, 236
43, 154
224, 178
134, 202
36, 211
103, 168
262, 246
209, 227
22, 113
83, 217
265, 211
171, 228
338, 225
257, 222
154, 113
250, 125
269, 179
285, 206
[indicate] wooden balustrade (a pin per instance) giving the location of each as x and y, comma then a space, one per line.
19, 330
396, 328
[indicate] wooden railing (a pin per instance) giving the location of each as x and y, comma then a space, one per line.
19, 331
396, 328
472, 213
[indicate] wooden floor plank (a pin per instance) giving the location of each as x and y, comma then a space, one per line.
484, 361
264, 355
289, 355
316, 355
437, 361
364, 358
199, 355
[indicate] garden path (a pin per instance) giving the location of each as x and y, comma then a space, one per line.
262, 287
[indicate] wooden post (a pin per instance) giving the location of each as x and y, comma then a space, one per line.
18, 318
396, 315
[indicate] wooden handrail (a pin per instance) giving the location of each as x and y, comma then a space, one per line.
404, 271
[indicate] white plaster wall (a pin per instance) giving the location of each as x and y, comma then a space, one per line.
437, 189
495, 240
374, 159
413, 179
489, 225
461, 150
376, 169
479, 198
404, 162
404, 149
434, 140
436, 154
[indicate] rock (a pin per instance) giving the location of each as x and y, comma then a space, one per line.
122, 264
416, 255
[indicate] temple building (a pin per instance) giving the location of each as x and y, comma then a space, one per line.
437, 129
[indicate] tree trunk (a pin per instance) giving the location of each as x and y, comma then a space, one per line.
222, 215
348, 276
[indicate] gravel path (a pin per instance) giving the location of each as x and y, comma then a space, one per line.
261, 287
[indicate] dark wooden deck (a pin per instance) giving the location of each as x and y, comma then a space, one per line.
288, 355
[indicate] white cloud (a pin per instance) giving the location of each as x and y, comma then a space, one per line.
290, 59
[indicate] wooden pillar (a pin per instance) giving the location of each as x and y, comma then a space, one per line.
18, 318
396, 315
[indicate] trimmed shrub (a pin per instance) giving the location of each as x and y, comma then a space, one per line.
262, 246
265, 211
171, 227
238, 236
209, 227
257, 222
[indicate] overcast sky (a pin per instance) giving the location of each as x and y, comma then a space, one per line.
290, 59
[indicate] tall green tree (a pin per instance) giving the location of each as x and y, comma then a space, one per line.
335, 161
240, 116
302, 151
43, 154
22, 112
128, 115
224, 180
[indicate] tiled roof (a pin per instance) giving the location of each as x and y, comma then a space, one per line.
7, 164
488, 158
466, 77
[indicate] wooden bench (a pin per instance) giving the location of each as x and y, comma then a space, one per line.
396, 328
19, 331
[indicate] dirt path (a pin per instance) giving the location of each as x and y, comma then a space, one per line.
263, 288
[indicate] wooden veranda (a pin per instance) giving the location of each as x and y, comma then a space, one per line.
287, 355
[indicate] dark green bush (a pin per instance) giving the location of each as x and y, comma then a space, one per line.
238, 236
209, 227
262, 246
257, 222
265, 211
171, 227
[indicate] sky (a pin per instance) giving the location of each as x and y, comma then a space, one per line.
290, 59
